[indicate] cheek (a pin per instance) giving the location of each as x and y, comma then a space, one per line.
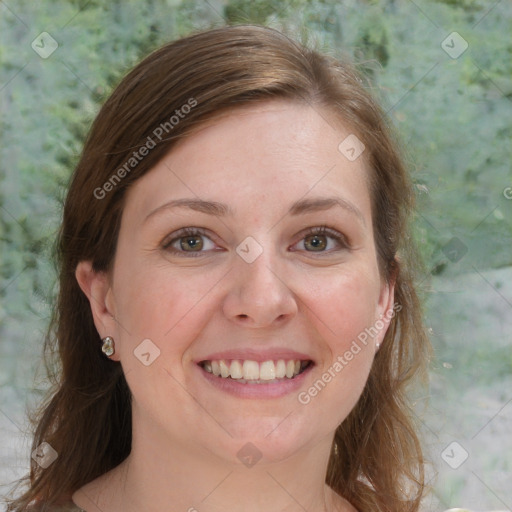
344, 308
345, 303
170, 310
163, 305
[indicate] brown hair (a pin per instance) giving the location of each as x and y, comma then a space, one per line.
376, 462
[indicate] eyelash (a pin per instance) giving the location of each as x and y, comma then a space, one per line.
193, 231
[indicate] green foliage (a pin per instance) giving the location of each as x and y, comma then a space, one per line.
49, 106
247, 11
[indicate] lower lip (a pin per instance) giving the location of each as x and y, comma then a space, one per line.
274, 389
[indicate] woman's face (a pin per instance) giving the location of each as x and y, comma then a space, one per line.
248, 246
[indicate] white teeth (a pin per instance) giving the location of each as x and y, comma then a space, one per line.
224, 369
280, 369
267, 370
235, 370
290, 368
253, 371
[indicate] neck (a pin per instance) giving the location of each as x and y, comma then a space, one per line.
171, 475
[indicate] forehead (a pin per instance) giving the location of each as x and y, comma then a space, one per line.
271, 151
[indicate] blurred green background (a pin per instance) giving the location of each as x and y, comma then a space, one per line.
451, 106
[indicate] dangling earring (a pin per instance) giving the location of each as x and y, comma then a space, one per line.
108, 346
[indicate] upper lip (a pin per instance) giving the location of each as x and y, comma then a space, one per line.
257, 355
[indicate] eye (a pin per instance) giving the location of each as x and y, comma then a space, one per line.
193, 241
322, 239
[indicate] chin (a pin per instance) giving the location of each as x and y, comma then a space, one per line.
264, 439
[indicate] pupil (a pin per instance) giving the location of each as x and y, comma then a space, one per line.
317, 242
191, 242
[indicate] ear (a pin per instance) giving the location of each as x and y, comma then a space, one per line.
386, 309
97, 288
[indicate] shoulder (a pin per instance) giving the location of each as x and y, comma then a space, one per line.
467, 510
44, 507
57, 508
67, 506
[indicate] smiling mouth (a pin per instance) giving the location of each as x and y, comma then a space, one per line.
252, 372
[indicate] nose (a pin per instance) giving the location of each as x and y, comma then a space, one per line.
258, 295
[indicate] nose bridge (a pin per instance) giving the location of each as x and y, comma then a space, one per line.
258, 292
261, 274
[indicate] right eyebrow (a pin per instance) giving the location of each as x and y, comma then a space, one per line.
199, 205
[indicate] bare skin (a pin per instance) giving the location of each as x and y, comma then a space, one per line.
192, 295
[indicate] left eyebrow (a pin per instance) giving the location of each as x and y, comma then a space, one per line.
318, 204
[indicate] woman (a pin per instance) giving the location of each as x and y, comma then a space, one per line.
236, 320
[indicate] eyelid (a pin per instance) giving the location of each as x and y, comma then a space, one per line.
188, 231
339, 237
167, 242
